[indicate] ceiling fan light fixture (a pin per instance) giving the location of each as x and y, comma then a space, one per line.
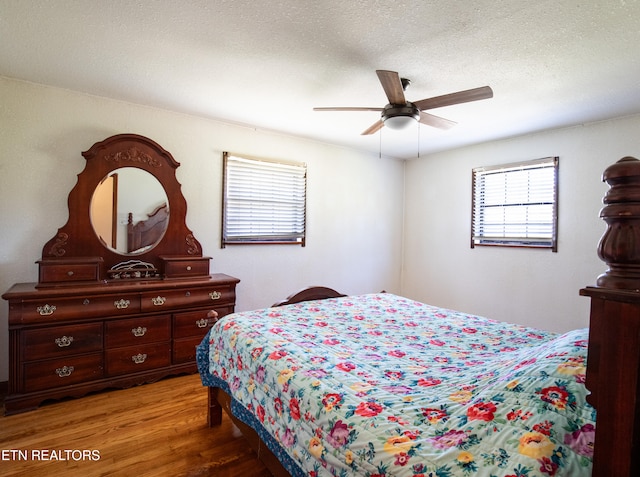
398, 122
400, 116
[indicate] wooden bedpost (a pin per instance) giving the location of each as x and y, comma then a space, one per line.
619, 247
613, 363
214, 409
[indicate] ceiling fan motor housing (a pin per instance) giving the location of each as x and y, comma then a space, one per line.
403, 112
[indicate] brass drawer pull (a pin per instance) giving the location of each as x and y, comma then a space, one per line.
139, 358
202, 323
65, 371
46, 310
159, 300
188, 268
64, 341
121, 304
139, 331
215, 295
70, 273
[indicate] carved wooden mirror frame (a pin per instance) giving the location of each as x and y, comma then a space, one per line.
76, 254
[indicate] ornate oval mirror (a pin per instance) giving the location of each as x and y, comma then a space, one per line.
132, 234
129, 211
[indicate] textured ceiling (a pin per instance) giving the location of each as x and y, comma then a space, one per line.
266, 64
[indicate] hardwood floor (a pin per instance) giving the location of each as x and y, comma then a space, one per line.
156, 429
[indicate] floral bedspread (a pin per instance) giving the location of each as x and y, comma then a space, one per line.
380, 385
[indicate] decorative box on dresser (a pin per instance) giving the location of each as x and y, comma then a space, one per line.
101, 316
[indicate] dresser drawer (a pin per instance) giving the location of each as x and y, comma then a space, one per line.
184, 267
61, 271
185, 297
61, 341
134, 331
80, 307
138, 358
184, 350
196, 323
58, 372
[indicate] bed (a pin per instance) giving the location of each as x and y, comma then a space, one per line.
380, 385
144, 234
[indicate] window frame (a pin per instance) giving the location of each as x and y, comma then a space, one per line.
297, 218
549, 240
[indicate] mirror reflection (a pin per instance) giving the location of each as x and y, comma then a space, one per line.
129, 211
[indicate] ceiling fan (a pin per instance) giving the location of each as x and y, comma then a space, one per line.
400, 112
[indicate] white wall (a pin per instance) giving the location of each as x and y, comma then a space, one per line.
532, 287
354, 206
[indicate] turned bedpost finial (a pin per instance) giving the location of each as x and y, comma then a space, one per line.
213, 316
619, 247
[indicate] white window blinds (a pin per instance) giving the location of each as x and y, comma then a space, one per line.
263, 201
516, 204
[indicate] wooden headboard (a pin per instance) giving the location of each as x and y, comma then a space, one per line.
308, 294
147, 232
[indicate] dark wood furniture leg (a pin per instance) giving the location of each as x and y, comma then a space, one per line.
214, 409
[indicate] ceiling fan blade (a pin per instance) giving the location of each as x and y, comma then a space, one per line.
484, 92
436, 121
375, 127
392, 86
347, 109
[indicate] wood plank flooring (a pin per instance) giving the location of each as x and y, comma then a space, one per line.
157, 429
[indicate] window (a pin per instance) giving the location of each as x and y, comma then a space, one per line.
264, 202
516, 204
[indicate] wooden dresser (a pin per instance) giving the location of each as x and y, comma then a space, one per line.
124, 293
69, 341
